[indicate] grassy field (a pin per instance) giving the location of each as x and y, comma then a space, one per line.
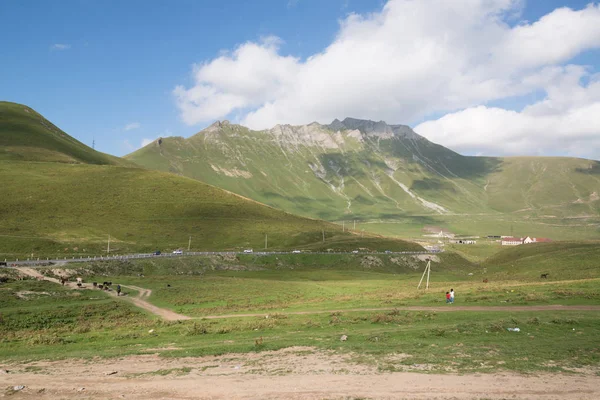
240, 284
48, 321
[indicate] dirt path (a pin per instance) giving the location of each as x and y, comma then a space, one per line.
161, 312
293, 373
138, 300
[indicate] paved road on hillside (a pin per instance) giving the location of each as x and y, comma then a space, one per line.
143, 294
41, 261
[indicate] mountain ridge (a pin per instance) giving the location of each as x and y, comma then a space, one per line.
27, 136
369, 170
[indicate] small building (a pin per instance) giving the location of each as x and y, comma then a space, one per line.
463, 241
511, 241
529, 239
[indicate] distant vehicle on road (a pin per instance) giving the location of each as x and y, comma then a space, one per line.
157, 253
248, 251
355, 251
178, 252
296, 251
387, 252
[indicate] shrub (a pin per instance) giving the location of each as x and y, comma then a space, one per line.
196, 329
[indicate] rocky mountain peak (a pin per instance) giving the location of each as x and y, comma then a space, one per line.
375, 128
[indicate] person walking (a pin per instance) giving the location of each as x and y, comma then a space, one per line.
451, 296
447, 297
118, 290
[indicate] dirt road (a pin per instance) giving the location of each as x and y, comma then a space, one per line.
138, 300
161, 312
293, 373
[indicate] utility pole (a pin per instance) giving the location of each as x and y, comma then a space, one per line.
354, 224
426, 272
189, 243
343, 226
108, 246
323, 231
93, 143
266, 241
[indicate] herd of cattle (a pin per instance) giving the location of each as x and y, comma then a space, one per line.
103, 286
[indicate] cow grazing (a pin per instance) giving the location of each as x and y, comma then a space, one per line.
79, 280
544, 276
485, 280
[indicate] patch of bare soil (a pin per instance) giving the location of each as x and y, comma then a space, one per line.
293, 373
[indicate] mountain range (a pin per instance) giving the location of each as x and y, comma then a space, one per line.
374, 172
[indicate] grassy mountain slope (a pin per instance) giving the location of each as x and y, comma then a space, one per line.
376, 172
61, 198
26, 135
57, 209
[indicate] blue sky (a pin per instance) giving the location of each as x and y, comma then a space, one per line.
108, 70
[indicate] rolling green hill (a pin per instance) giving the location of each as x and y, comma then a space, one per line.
25, 135
562, 261
61, 198
387, 177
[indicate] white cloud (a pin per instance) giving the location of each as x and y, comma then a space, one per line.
249, 77
60, 46
131, 126
566, 122
407, 61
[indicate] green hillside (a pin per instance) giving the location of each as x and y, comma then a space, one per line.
562, 261
25, 135
57, 209
387, 177
62, 198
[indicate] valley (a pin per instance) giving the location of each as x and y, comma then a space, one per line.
265, 293
303, 200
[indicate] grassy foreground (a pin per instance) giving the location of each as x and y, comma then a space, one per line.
54, 324
51, 322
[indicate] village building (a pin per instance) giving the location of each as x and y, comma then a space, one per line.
512, 241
